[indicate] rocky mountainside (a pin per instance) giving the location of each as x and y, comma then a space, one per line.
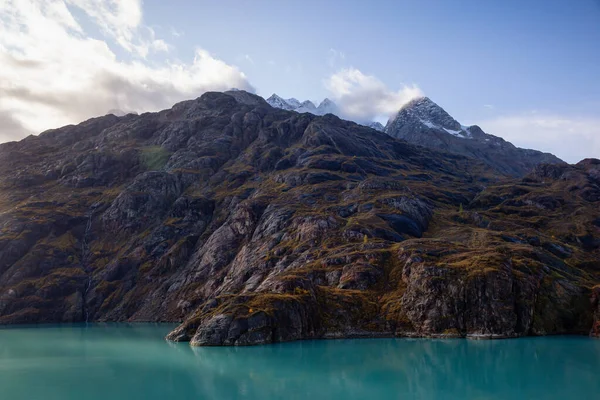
425, 123
251, 224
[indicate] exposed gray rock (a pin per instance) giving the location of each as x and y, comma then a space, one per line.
425, 123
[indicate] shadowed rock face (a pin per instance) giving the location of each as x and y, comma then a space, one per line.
425, 123
250, 224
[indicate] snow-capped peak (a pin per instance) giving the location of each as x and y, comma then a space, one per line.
292, 104
422, 111
295, 103
375, 125
278, 102
327, 107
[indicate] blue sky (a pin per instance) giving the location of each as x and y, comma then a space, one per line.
512, 55
528, 71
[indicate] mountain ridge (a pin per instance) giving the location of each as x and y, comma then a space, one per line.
249, 224
423, 122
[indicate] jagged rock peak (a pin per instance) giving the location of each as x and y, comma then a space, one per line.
278, 102
423, 122
429, 113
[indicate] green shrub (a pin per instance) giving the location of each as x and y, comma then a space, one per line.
154, 158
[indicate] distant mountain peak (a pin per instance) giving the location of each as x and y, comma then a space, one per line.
308, 103
295, 103
327, 107
429, 114
376, 125
423, 122
278, 102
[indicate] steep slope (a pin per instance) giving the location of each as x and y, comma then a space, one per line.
425, 123
253, 224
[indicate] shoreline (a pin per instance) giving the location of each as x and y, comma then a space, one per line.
325, 336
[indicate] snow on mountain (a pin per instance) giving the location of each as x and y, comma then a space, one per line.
325, 107
424, 112
424, 123
307, 106
375, 125
294, 103
278, 102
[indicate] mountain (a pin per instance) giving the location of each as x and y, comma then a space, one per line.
307, 107
278, 102
293, 103
423, 122
377, 126
325, 107
249, 224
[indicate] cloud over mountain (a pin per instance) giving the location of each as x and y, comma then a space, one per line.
364, 97
55, 71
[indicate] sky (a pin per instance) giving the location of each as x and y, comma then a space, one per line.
528, 71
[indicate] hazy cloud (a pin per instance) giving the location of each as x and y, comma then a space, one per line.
10, 128
52, 72
570, 138
335, 57
364, 97
176, 33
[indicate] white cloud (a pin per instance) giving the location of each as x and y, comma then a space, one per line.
364, 97
568, 137
119, 19
489, 106
52, 72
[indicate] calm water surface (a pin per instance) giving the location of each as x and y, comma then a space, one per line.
134, 362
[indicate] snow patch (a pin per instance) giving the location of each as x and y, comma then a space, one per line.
429, 124
455, 133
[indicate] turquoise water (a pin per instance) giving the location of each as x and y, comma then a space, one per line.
134, 362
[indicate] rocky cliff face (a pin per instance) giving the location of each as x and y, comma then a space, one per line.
250, 224
425, 123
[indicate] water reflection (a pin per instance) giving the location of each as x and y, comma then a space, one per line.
131, 362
